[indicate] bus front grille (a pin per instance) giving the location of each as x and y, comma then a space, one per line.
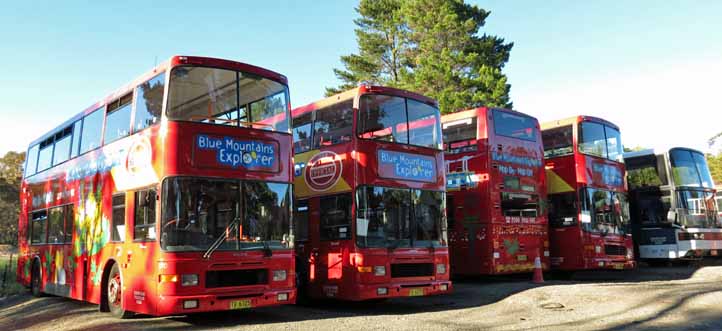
615, 250
228, 278
412, 270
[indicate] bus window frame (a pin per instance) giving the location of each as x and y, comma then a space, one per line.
357, 120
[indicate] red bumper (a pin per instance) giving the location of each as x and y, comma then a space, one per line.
361, 292
174, 305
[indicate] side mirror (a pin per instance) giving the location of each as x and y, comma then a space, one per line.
671, 217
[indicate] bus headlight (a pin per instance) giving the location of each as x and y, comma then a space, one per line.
379, 270
279, 275
189, 280
441, 268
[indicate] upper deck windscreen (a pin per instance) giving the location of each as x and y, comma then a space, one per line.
228, 97
399, 120
600, 140
459, 130
689, 168
514, 125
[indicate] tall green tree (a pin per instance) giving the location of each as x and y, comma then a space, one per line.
433, 47
383, 47
11, 170
715, 167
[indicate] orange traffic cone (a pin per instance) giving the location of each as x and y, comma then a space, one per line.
538, 276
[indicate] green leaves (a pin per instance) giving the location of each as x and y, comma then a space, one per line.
432, 47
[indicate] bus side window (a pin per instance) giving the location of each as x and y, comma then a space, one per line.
450, 212
32, 161
148, 102
117, 121
118, 218
75, 146
92, 131
333, 125
302, 133
55, 226
562, 209
144, 225
39, 229
336, 217
69, 218
300, 219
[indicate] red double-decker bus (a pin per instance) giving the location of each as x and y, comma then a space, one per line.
495, 192
369, 192
588, 205
170, 196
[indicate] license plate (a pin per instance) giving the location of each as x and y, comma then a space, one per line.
619, 266
240, 304
521, 257
416, 292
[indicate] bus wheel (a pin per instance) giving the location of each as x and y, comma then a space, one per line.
115, 293
35, 280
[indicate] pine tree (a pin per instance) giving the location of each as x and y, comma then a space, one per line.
382, 42
432, 47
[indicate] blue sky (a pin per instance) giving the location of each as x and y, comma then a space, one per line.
652, 67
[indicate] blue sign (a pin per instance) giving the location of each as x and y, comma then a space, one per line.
251, 154
609, 175
406, 166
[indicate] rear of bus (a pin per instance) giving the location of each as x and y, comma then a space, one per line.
496, 186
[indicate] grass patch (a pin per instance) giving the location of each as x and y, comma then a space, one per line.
11, 286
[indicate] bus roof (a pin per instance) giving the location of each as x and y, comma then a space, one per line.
574, 120
474, 112
175, 60
361, 89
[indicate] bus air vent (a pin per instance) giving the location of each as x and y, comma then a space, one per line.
615, 250
399, 270
243, 277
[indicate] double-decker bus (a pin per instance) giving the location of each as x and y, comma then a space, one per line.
170, 196
587, 192
369, 196
672, 200
495, 192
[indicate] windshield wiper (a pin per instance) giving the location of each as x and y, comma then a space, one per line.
221, 239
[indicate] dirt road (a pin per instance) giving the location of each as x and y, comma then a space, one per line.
670, 298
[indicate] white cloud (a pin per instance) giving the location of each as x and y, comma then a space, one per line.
658, 106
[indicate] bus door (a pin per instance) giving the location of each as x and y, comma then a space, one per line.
334, 221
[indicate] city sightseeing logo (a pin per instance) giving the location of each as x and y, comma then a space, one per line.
323, 171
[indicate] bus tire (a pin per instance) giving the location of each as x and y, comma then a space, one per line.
114, 293
36, 279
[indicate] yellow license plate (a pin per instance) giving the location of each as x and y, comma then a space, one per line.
619, 266
521, 257
416, 292
240, 304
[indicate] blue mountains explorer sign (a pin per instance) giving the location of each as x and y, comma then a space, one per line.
405, 166
249, 154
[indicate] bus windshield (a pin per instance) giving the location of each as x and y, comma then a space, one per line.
399, 120
604, 211
197, 211
227, 97
600, 140
393, 217
690, 169
697, 208
514, 126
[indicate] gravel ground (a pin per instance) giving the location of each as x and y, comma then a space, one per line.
672, 298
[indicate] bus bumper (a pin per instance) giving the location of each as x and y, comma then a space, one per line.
363, 292
611, 264
187, 304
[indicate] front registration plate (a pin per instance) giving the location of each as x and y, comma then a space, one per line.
618, 266
521, 257
240, 304
416, 292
